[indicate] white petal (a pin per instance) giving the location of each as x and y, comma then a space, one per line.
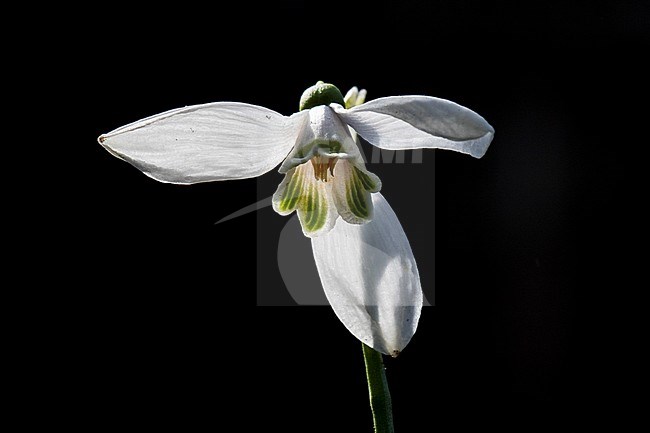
355, 97
350, 98
201, 143
371, 279
414, 122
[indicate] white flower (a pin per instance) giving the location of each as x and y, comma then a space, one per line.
365, 261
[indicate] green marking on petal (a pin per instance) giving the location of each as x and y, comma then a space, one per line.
357, 196
304, 193
352, 189
313, 209
362, 198
333, 146
368, 183
301, 191
292, 192
313, 217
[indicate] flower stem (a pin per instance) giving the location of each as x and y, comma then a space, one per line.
380, 403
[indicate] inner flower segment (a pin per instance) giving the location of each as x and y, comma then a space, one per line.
324, 188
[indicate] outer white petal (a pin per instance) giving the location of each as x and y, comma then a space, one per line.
414, 122
202, 143
371, 279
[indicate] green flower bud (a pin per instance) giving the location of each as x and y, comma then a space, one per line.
320, 94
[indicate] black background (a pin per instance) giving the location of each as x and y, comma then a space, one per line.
531, 329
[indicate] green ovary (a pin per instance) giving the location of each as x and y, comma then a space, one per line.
320, 94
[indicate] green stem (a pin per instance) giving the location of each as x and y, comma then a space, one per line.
382, 412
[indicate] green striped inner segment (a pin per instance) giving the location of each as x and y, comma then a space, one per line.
313, 209
368, 183
292, 192
307, 198
357, 192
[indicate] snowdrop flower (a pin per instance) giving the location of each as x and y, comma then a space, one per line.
363, 257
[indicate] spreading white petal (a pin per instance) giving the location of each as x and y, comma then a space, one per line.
202, 143
414, 122
371, 279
